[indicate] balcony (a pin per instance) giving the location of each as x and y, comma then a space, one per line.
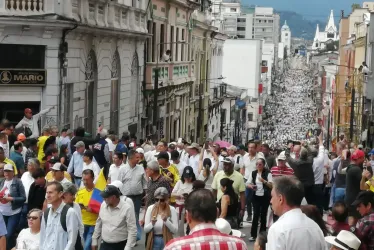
170, 73
121, 14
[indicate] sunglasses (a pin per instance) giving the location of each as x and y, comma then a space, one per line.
32, 217
160, 200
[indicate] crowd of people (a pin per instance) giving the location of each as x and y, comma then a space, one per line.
289, 111
67, 190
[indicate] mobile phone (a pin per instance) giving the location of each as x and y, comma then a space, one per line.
206, 145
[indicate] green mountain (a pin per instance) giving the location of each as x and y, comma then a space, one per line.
300, 27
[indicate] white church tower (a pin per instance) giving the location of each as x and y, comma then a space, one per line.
286, 37
329, 35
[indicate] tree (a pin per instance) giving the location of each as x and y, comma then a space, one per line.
355, 6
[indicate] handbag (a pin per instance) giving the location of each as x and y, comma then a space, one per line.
28, 132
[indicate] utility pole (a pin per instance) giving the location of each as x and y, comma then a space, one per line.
352, 114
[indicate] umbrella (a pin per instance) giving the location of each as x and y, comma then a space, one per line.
223, 144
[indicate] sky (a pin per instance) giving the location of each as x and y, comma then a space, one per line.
310, 9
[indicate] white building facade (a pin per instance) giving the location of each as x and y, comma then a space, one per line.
329, 35
286, 38
86, 58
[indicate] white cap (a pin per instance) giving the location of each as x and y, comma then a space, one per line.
140, 150
118, 184
282, 156
131, 145
224, 227
57, 167
345, 240
8, 167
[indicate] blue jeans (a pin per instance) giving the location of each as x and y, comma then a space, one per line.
158, 243
137, 200
248, 200
87, 236
77, 181
23, 220
11, 223
339, 194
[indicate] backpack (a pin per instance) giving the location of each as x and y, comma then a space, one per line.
78, 242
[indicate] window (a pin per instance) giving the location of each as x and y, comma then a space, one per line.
259, 21
183, 48
241, 36
241, 28
162, 39
286, 34
177, 45
264, 63
232, 9
223, 116
171, 41
154, 42
67, 105
250, 117
265, 21
270, 21
263, 30
330, 35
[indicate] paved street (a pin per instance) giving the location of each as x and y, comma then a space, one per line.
246, 230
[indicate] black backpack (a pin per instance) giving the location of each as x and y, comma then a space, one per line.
78, 242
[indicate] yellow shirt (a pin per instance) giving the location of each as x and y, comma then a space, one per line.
83, 197
175, 173
238, 184
49, 176
41, 154
370, 183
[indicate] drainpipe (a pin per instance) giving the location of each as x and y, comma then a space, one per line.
63, 50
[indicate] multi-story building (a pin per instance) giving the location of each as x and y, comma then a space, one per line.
179, 62
83, 57
286, 38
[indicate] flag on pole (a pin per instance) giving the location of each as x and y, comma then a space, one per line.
96, 199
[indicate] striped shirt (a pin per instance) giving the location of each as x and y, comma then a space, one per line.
206, 237
280, 171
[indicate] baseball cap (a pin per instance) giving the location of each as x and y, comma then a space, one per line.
118, 184
364, 197
21, 137
109, 191
187, 172
282, 156
241, 147
79, 144
163, 155
227, 160
8, 167
140, 150
357, 154
360, 146
371, 152
224, 227
58, 167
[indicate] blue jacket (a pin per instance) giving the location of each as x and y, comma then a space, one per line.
18, 160
98, 150
17, 191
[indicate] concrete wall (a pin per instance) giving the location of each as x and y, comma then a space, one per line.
241, 64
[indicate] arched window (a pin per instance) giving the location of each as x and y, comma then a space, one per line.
135, 86
91, 93
115, 92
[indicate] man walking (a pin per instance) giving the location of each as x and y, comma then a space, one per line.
134, 181
76, 163
201, 215
116, 222
293, 230
60, 224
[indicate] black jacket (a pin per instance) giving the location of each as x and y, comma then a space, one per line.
303, 169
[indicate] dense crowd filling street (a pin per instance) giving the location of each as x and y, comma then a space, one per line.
66, 190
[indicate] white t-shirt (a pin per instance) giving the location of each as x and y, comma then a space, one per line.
27, 180
111, 146
259, 185
6, 209
114, 172
94, 167
27, 240
181, 165
193, 161
180, 189
208, 183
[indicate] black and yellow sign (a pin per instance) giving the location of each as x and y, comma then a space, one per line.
23, 77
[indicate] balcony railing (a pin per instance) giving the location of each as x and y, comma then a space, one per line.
122, 14
170, 73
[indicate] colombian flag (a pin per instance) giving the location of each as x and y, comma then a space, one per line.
96, 199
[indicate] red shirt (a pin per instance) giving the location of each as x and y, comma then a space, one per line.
339, 226
280, 171
206, 237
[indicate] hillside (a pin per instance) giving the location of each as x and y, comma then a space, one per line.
299, 26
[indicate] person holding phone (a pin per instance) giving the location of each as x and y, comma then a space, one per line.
161, 221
